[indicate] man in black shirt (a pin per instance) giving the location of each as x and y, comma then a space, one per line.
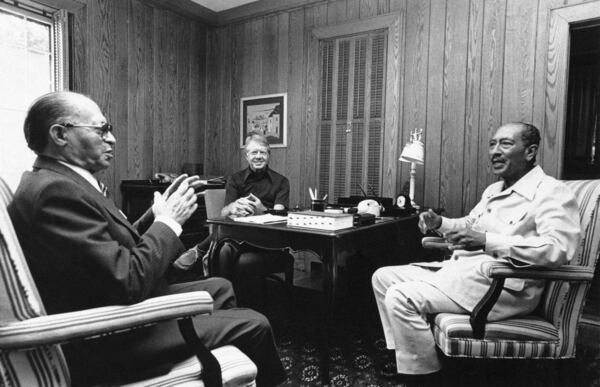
257, 188
253, 191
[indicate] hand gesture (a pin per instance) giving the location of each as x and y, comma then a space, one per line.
429, 220
242, 207
178, 204
466, 239
192, 181
259, 208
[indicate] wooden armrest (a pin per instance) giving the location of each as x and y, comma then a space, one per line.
241, 246
564, 273
245, 246
63, 327
435, 243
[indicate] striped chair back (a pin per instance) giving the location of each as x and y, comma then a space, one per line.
562, 303
19, 300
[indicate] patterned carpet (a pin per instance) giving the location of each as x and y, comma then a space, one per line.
358, 356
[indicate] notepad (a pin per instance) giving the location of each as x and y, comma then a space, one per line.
262, 219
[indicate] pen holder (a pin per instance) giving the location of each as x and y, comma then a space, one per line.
317, 205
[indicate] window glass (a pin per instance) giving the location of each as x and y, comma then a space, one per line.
26, 71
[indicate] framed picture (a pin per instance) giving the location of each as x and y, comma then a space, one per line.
265, 114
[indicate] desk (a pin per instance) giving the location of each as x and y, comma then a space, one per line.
327, 245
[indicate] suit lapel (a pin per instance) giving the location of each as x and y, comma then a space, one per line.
47, 163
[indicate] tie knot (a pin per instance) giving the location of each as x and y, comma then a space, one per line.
103, 188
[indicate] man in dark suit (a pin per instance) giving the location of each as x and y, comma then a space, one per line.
84, 253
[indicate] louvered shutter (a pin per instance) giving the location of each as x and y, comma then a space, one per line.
351, 116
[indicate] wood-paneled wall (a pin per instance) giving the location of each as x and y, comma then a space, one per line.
145, 67
468, 66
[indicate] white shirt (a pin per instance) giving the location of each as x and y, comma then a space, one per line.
533, 222
87, 175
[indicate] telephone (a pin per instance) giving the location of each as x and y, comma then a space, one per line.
370, 206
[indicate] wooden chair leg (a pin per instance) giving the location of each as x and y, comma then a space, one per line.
289, 285
569, 373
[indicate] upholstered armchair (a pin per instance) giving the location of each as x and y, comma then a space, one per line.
30, 352
548, 333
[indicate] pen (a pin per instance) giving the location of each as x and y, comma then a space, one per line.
324, 197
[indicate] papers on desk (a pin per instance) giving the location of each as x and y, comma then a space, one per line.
262, 219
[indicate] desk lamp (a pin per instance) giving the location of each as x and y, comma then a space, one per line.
413, 153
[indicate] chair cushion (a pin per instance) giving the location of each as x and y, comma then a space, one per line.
236, 369
528, 336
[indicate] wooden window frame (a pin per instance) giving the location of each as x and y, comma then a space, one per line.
394, 24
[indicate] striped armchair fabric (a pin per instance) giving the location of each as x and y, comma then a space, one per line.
550, 332
30, 353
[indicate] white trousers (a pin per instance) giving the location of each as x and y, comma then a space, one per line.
404, 301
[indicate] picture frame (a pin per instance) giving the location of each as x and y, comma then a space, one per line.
267, 115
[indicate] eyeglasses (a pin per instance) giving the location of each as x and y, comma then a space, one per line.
101, 130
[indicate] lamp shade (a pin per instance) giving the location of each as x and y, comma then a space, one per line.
413, 152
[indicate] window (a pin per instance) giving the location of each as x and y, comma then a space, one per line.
31, 64
351, 120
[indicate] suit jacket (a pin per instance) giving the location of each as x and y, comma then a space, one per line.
81, 249
535, 222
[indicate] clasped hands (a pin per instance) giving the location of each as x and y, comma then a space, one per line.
178, 202
464, 239
247, 205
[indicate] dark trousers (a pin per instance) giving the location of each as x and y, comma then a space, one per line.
150, 351
234, 264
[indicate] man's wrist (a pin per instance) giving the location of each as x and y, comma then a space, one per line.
226, 211
171, 223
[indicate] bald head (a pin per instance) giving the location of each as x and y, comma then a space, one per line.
53, 108
70, 127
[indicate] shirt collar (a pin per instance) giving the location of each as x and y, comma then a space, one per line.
248, 172
527, 185
87, 175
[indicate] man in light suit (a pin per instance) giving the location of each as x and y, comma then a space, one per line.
527, 218
84, 253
